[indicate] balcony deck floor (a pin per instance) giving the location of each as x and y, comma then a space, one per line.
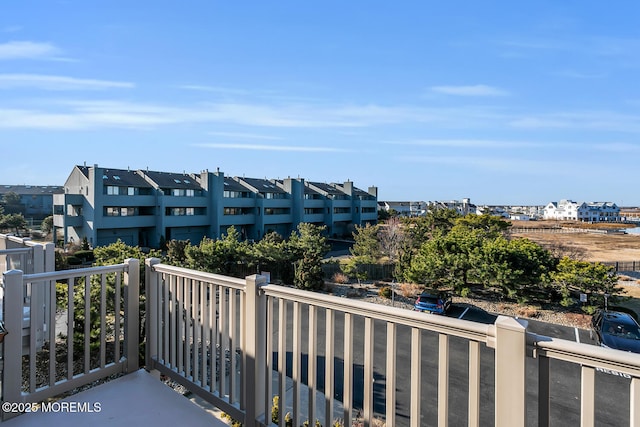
137, 399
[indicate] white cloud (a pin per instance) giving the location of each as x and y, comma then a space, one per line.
261, 147
28, 50
474, 90
47, 82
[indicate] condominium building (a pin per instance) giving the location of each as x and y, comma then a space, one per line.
582, 211
142, 207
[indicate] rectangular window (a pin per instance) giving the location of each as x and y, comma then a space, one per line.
190, 192
274, 195
112, 211
277, 211
341, 210
238, 211
313, 211
177, 192
235, 194
131, 191
190, 211
112, 190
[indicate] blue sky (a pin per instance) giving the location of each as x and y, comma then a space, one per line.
504, 102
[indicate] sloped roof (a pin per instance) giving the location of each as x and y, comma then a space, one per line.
31, 189
232, 185
122, 178
172, 180
327, 188
263, 185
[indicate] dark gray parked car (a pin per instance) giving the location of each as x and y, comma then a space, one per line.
614, 329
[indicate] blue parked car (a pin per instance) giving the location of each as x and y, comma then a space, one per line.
433, 303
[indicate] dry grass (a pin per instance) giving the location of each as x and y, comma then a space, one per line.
340, 278
408, 290
590, 246
528, 312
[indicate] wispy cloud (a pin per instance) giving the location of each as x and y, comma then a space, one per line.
47, 82
508, 165
242, 135
473, 90
467, 143
12, 29
261, 147
29, 50
594, 120
214, 89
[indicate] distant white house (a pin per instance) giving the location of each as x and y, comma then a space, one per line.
569, 210
407, 208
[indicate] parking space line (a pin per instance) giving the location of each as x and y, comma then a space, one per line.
577, 335
463, 313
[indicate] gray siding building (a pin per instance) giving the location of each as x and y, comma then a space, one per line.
143, 208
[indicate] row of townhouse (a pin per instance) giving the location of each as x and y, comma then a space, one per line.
36, 201
582, 211
142, 207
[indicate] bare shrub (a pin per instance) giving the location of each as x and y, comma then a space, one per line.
340, 278
528, 312
409, 289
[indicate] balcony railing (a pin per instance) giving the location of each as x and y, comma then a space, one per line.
238, 343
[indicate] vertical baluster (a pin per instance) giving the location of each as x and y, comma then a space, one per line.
233, 382
313, 355
416, 376
268, 380
391, 375
296, 355
347, 391
474, 384
282, 359
329, 367
70, 310
224, 341
103, 319
443, 380
87, 320
188, 322
368, 372
173, 321
180, 313
587, 397
116, 326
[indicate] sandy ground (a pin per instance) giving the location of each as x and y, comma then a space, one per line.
587, 246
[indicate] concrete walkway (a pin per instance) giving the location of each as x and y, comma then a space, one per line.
137, 399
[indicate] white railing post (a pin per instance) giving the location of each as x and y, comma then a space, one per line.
132, 313
151, 316
49, 257
13, 303
255, 352
510, 364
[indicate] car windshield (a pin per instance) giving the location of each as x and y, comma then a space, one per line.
428, 299
623, 330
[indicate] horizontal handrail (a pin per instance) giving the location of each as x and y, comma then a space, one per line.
15, 251
54, 275
583, 354
231, 282
446, 325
